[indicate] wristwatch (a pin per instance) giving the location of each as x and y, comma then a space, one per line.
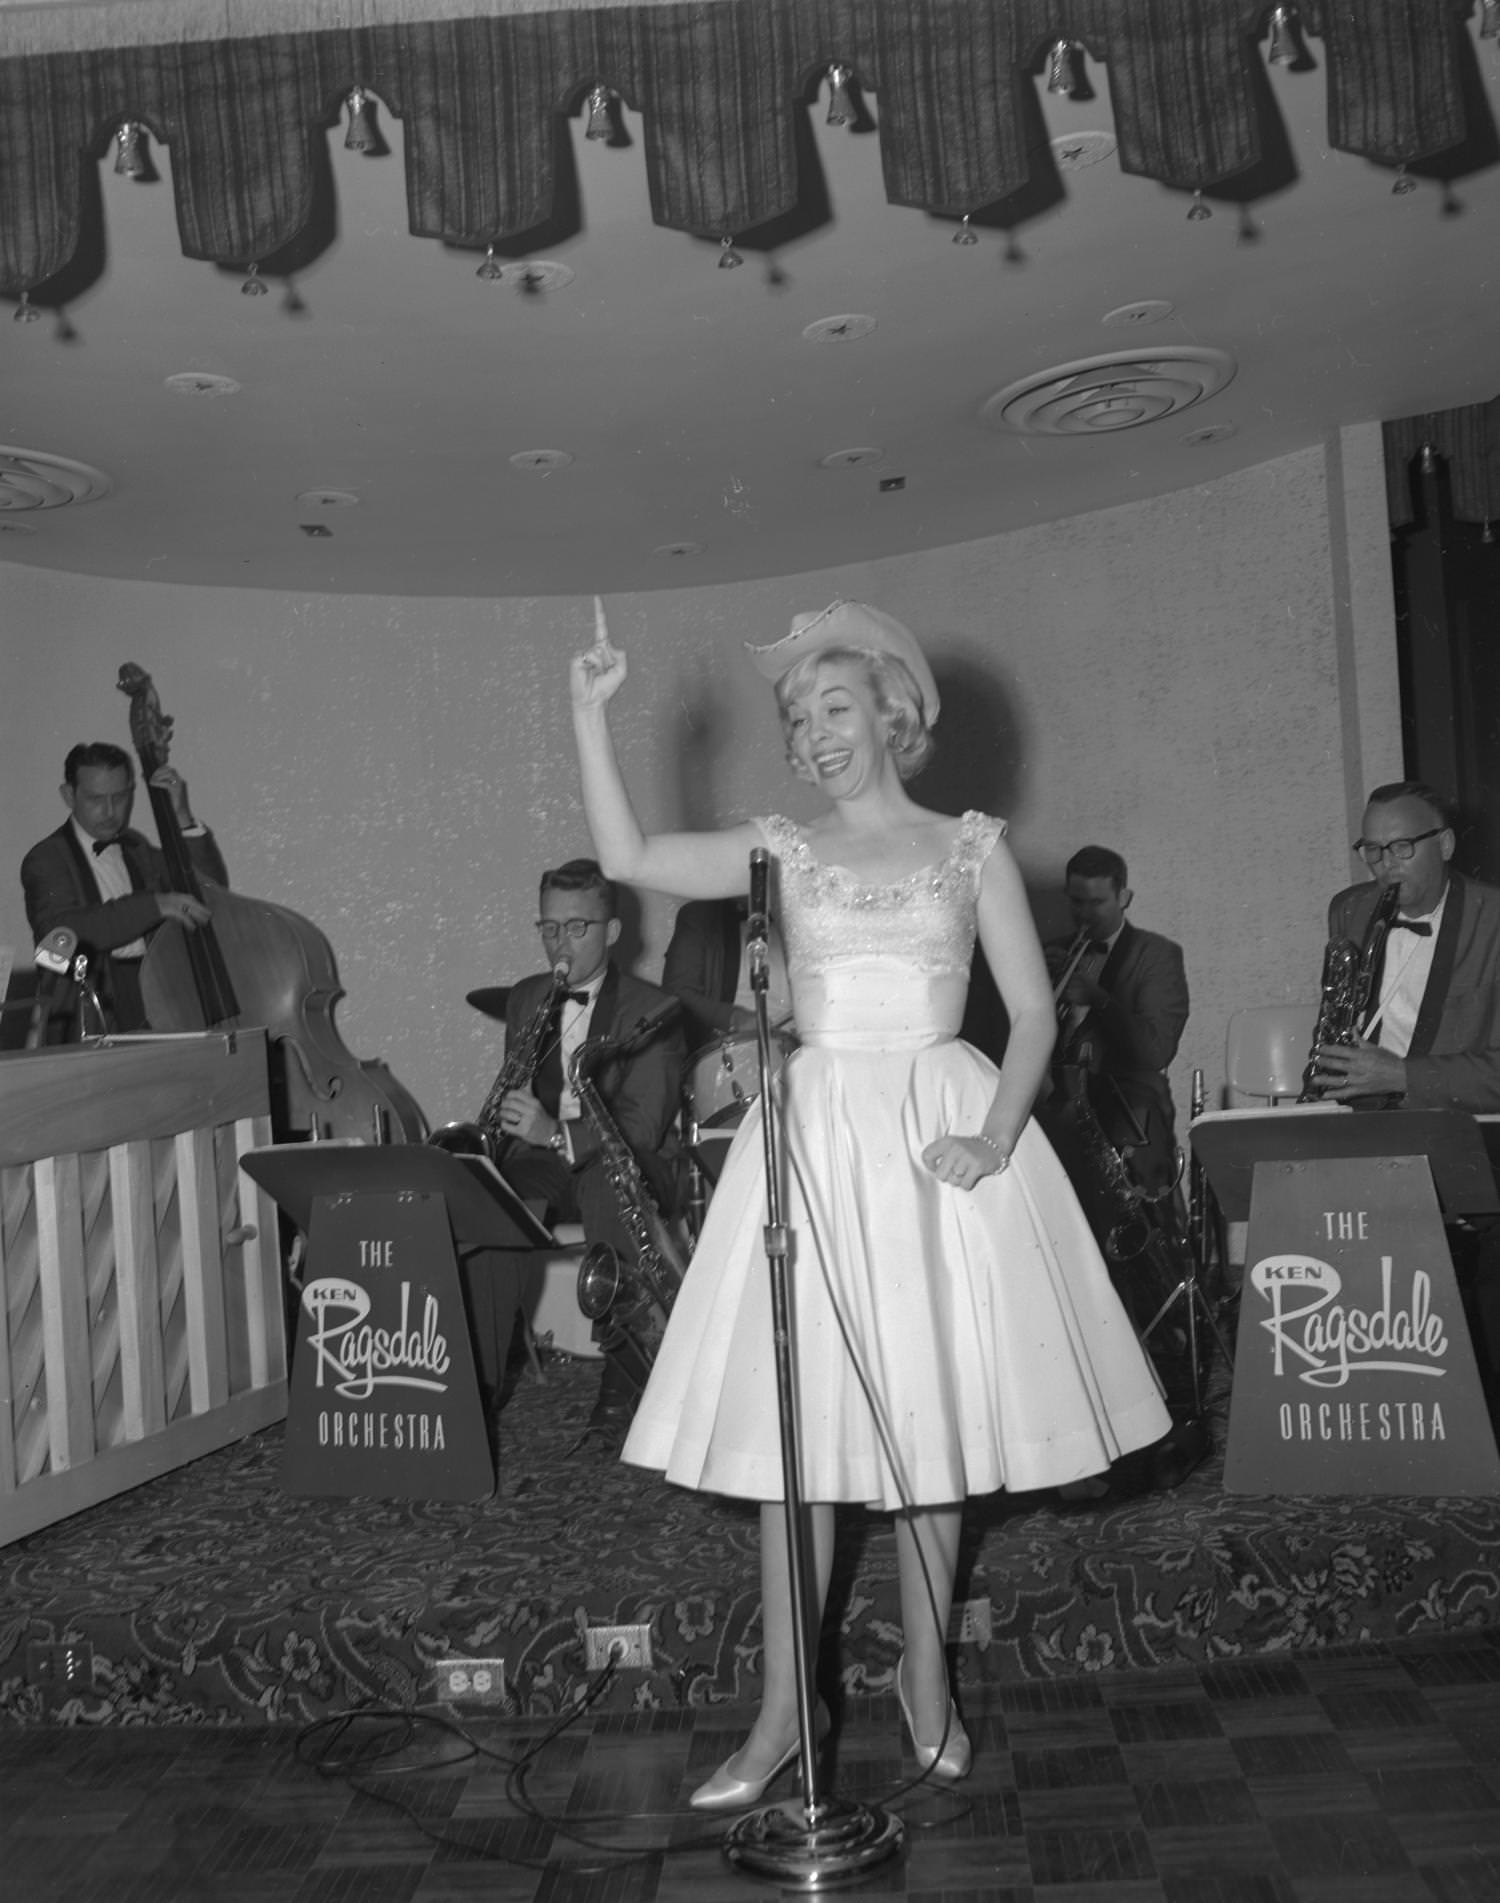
557, 1141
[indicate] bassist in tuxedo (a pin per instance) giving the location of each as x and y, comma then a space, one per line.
105, 881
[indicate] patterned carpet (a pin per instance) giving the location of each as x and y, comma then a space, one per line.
210, 1596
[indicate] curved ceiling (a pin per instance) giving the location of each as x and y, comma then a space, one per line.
623, 414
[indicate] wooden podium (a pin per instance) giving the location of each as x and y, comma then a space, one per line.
384, 1401
1353, 1369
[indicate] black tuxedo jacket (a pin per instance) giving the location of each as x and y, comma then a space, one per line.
1454, 1061
642, 1092
1136, 1032
702, 966
57, 877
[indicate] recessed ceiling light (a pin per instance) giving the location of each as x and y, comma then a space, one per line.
1075, 150
1150, 310
679, 548
851, 458
201, 383
541, 460
327, 499
536, 274
839, 330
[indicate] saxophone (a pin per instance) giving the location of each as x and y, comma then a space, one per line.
1346, 996
484, 1137
636, 1298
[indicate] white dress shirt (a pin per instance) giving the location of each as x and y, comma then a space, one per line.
1403, 982
112, 876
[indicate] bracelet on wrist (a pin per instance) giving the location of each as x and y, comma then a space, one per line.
1002, 1157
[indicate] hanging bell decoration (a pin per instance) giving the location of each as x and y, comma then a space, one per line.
729, 258
840, 105
601, 123
1062, 68
130, 150
1200, 207
25, 312
966, 234
1284, 48
1404, 182
363, 135
492, 270
254, 284
1487, 533
1489, 19
1427, 460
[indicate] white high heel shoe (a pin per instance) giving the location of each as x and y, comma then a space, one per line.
725, 1791
955, 1759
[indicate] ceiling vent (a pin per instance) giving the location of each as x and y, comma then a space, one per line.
1101, 394
34, 479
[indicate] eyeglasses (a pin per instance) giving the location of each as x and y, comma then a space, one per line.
1372, 853
575, 928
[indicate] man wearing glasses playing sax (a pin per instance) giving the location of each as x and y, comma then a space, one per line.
554, 1154
1430, 1032
1430, 1039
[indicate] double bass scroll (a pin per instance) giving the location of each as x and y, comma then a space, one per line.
257, 963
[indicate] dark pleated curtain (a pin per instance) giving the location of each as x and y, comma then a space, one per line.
721, 89
1468, 440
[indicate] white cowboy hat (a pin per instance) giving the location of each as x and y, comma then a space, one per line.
848, 624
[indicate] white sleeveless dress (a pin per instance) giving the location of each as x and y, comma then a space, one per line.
948, 1341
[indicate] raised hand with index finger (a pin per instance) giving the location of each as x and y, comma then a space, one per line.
597, 675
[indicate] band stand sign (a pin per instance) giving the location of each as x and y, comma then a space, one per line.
1354, 1372
384, 1400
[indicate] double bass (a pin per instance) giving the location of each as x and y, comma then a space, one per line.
256, 963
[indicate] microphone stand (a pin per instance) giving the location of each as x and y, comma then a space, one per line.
821, 1841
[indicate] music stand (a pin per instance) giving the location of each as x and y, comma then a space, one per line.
385, 1398
1350, 1380
485, 1212
1232, 1142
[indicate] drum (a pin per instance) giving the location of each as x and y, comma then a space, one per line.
723, 1078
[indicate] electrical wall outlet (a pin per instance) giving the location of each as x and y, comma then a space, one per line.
470, 1681
971, 1622
61, 1668
626, 1645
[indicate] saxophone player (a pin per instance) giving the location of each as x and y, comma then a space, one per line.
554, 1154
1431, 1036
1430, 1039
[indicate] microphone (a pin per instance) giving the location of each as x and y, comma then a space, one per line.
759, 924
54, 957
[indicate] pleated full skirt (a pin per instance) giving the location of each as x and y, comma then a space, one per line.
947, 1342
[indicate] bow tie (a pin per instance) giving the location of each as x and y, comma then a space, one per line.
1421, 926
572, 997
103, 845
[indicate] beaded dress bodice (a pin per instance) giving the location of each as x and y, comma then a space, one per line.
879, 965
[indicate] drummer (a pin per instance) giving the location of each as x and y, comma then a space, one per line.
708, 969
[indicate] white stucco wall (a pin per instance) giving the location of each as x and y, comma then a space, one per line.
1203, 681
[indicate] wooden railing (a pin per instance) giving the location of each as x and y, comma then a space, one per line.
142, 1322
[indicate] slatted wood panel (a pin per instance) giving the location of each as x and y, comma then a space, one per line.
142, 1319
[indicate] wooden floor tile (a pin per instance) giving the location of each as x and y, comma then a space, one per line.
1368, 1777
